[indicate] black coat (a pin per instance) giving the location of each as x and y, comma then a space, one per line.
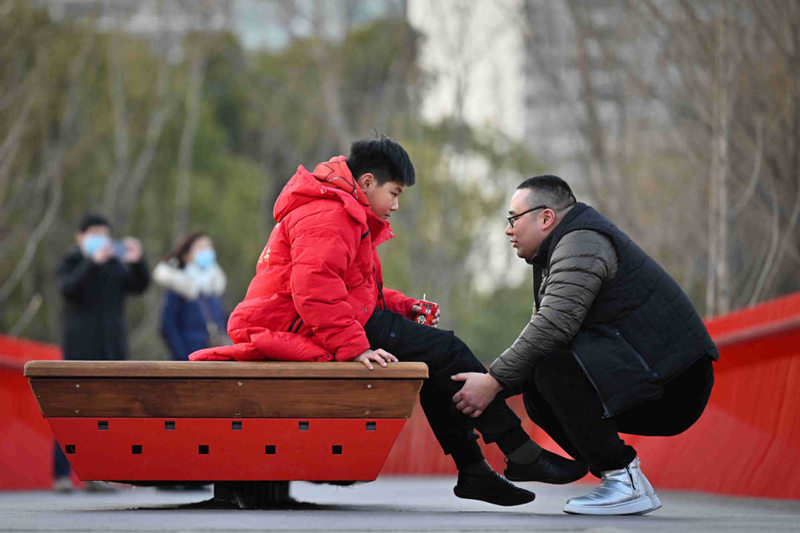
641, 330
94, 324
604, 301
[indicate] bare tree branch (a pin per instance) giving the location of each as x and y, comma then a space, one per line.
30, 311
12, 143
194, 88
53, 168
155, 126
756, 173
116, 88
769, 260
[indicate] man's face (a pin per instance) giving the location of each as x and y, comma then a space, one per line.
530, 229
383, 199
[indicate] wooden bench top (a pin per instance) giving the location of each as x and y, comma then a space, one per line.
209, 389
222, 369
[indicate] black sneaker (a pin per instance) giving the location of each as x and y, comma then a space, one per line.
548, 468
492, 488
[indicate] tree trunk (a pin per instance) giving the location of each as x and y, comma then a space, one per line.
194, 89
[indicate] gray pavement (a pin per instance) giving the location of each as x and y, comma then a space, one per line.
389, 504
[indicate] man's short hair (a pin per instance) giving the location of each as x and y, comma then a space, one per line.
383, 158
93, 219
549, 190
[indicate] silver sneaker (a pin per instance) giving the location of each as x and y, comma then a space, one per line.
623, 491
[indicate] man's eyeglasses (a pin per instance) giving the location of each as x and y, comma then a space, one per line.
512, 218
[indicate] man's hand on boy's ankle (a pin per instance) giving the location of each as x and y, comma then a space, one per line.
380, 356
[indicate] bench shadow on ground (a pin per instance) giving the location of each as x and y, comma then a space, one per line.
296, 505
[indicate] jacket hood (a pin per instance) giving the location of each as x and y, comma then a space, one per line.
331, 180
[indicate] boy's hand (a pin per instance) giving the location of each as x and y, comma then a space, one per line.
417, 309
379, 356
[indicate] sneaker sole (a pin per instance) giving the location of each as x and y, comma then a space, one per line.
639, 506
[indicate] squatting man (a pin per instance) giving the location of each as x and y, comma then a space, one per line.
614, 345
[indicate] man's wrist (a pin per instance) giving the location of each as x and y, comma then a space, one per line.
493, 383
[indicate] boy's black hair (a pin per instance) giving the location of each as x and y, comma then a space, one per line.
383, 158
93, 219
552, 190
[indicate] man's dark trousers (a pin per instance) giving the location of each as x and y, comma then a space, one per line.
446, 355
561, 400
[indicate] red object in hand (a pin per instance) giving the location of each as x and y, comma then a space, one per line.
428, 312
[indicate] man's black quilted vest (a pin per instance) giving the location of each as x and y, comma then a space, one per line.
641, 330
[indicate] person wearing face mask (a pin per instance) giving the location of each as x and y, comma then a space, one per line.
192, 315
94, 279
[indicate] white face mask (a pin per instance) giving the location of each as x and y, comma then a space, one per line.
92, 243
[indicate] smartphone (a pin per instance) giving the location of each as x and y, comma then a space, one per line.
119, 249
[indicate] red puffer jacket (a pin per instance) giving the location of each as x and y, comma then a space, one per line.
319, 278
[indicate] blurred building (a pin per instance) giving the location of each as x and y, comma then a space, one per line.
545, 73
259, 24
164, 23
476, 62
487, 60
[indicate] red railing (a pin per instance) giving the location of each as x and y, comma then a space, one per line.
26, 444
746, 443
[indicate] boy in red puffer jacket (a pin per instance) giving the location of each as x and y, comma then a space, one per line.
318, 295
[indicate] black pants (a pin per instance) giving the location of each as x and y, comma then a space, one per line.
561, 400
446, 355
61, 466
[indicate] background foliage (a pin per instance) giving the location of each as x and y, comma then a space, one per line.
105, 122
109, 121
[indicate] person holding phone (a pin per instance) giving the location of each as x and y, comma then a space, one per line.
94, 279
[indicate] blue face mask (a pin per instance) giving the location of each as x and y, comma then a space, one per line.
204, 258
92, 243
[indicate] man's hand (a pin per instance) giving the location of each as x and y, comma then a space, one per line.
379, 356
102, 255
133, 250
417, 309
478, 391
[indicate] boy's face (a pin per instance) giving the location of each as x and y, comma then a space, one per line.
383, 199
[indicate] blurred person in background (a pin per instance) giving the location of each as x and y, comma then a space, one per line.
94, 280
614, 346
192, 316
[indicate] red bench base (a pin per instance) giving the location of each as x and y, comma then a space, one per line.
222, 449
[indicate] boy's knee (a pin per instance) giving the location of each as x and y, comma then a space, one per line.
459, 350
